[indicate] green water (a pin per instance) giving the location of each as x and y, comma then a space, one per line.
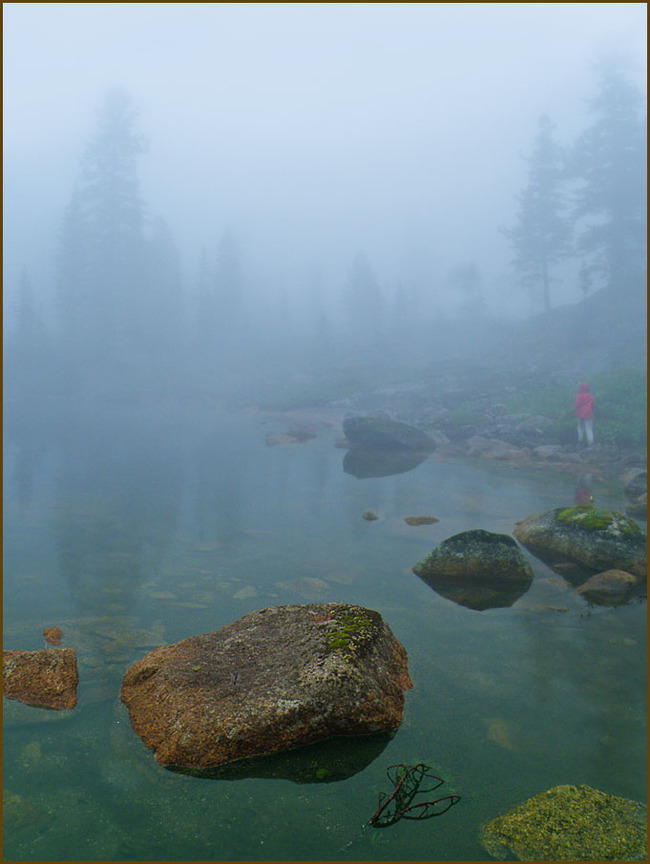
132, 528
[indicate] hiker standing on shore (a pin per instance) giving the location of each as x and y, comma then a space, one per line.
585, 414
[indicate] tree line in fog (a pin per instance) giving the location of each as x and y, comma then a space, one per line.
125, 319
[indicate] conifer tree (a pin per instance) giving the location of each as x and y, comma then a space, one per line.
608, 165
542, 236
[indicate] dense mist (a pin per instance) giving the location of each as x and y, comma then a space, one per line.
198, 195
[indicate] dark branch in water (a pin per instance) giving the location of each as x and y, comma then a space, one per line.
407, 780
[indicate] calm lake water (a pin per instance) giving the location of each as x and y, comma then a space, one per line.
132, 527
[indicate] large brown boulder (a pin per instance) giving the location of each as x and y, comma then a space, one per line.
275, 679
47, 678
587, 536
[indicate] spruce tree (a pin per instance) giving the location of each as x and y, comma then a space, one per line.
541, 237
608, 165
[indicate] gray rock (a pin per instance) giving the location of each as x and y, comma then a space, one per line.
548, 451
639, 507
275, 679
596, 539
478, 569
489, 448
635, 482
382, 433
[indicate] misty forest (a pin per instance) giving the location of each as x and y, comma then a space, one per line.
126, 323
315, 550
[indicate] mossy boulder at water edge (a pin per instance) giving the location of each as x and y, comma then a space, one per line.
275, 679
478, 569
587, 536
569, 823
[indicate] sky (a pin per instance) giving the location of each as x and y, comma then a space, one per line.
312, 131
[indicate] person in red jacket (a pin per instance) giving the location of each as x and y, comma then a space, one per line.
585, 414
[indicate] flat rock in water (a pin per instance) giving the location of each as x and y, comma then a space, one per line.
274, 679
46, 679
586, 536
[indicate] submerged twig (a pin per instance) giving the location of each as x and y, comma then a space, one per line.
406, 780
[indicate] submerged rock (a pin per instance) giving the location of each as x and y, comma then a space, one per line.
421, 520
610, 588
635, 482
323, 762
478, 569
275, 679
586, 536
294, 436
53, 635
45, 678
569, 823
638, 507
380, 432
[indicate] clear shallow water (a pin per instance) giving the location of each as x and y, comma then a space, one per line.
134, 528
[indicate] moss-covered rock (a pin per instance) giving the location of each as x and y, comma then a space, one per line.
478, 569
595, 539
476, 554
569, 823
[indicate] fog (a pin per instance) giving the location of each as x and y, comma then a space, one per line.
311, 135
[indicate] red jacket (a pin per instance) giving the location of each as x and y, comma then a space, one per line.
584, 403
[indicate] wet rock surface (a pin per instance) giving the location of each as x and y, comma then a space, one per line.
45, 678
585, 536
275, 679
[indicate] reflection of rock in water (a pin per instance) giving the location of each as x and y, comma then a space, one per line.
364, 462
327, 761
477, 595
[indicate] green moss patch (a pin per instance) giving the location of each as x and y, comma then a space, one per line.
352, 632
570, 823
592, 519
